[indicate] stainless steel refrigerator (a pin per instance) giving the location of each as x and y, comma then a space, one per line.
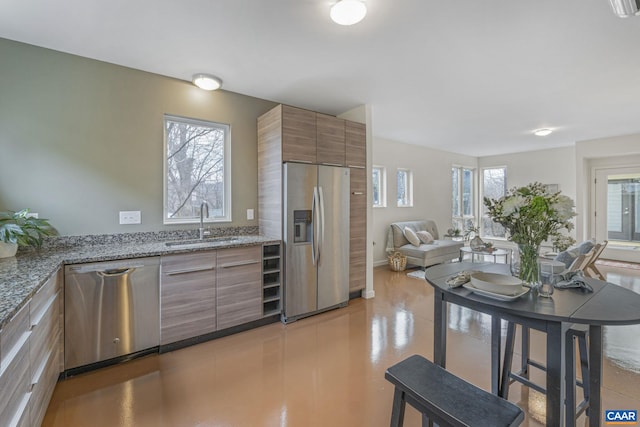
316, 238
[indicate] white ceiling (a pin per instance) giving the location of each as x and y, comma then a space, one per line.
468, 76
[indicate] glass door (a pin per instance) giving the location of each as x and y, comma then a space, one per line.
623, 209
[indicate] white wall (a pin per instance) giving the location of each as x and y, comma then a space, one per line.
431, 187
551, 166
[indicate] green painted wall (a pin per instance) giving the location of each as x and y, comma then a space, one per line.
81, 140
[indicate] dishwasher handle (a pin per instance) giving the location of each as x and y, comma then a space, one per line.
113, 272
108, 269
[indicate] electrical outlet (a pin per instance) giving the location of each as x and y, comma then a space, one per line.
130, 217
249, 214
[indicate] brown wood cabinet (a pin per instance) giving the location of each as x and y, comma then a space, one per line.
298, 135
358, 229
209, 291
239, 286
15, 378
30, 353
45, 345
330, 140
356, 144
288, 134
187, 296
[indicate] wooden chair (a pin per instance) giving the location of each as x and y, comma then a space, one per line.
590, 270
580, 263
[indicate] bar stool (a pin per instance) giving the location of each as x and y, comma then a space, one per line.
575, 332
581, 334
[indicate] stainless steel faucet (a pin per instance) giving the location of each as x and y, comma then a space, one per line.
203, 206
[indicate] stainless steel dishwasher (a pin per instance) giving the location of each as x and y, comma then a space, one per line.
111, 310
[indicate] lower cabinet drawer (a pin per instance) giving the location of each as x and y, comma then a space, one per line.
25, 416
41, 299
44, 328
239, 286
44, 382
15, 384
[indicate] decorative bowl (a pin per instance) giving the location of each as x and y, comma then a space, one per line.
496, 283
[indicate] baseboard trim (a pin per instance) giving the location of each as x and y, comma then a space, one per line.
380, 263
368, 294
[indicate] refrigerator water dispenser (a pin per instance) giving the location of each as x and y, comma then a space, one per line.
302, 226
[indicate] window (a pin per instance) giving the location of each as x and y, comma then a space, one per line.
196, 166
405, 188
462, 198
379, 187
494, 186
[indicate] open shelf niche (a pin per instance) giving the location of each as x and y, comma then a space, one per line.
271, 279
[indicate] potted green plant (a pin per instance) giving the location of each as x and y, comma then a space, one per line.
21, 229
531, 215
453, 232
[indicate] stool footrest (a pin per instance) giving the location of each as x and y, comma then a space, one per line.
526, 381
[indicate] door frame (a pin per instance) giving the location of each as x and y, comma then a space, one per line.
598, 209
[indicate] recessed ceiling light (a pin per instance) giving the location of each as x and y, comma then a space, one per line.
348, 12
542, 132
207, 81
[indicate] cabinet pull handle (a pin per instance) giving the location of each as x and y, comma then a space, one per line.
300, 161
36, 319
357, 193
190, 270
332, 164
239, 263
356, 166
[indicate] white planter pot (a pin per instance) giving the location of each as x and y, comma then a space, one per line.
7, 250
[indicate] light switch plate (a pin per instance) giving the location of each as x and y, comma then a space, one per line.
249, 214
130, 217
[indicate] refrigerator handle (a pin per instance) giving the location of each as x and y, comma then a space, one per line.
314, 218
321, 238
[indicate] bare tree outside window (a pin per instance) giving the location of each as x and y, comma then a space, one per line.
196, 170
405, 188
379, 181
462, 198
494, 186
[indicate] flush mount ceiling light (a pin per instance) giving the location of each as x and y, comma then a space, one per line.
207, 81
625, 8
348, 12
542, 132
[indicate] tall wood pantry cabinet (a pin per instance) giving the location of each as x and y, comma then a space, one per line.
290, 134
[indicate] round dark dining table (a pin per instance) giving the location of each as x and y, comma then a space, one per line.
608, 304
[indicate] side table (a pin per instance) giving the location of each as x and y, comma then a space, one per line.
504, 253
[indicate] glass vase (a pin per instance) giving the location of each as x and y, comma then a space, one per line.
524, 264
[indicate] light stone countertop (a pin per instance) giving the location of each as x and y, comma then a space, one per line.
21, 276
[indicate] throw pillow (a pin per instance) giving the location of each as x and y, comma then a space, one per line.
411, 236
567, 257
585, 247
425, 237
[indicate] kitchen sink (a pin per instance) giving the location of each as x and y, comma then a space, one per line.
197, 243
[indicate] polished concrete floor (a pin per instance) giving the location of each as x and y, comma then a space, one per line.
326, 370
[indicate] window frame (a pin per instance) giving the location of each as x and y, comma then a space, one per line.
409, 188
226, 176
382, 186
483, 215
462, 220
